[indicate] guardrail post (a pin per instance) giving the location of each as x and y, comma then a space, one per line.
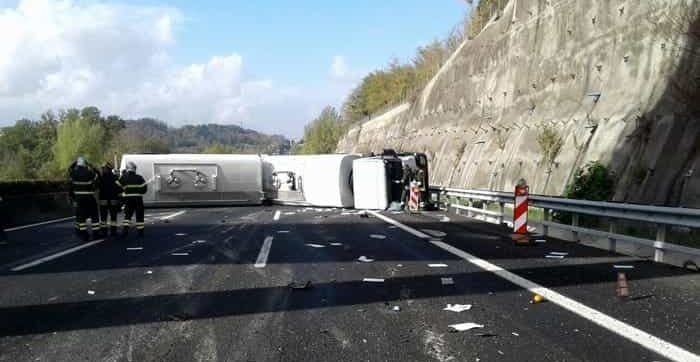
485, 207
469, 212
659, 245
459, 202
547, 218
501, 211
574, 222
612, 242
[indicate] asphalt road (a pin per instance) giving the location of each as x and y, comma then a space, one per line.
201, 287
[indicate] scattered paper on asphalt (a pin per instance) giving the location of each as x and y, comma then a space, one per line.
540, 241
554, 256
134, 249
91, 292
437, 265
392, 227
373, 280
181, 234
290, 213
283, 231
447, 281
149, 271
378, 236
515, 334
336, 244
444, 219
623, 266
365, 259
396, 308
458, 308
317, 246
461, 327
180, 254
199, 242
559, 253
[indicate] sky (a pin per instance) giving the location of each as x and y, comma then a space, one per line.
269, 65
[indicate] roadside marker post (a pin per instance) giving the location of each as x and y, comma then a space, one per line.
520, 213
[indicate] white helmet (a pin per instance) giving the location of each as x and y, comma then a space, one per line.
130, 166
81, 162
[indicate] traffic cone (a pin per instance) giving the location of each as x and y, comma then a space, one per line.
623, 290
537, 299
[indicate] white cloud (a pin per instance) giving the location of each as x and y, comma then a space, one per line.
56, 54
339, 69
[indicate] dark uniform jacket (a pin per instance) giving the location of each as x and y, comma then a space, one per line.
132, 184
83, 182
109, 189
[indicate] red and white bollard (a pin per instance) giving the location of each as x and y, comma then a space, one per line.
520, 210
414, 197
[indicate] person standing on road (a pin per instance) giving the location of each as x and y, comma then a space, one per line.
406, 179
82, 190
109, 199
134, 187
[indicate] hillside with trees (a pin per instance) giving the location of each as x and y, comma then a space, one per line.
43, 148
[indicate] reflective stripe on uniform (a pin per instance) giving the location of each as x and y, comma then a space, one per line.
82, 182
133, 195
140, 225
84, 192
135, 186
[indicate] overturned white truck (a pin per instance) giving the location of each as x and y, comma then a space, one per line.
315, 180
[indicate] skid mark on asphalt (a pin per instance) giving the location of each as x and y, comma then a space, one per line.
625, 330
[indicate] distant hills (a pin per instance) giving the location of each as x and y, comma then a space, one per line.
197, 138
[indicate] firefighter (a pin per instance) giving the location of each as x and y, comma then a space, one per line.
82, 191
134, 187
109, 199
406, 182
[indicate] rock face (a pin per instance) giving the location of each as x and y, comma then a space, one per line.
609, 77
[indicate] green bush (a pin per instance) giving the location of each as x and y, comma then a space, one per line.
591, 182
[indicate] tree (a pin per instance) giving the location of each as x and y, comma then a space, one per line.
79, 136
218, 148
323, 133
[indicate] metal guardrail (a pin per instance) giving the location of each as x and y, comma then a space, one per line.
662, 217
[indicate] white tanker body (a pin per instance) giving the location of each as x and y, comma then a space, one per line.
184, 179
317, 180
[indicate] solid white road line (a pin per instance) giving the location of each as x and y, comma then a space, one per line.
261, 262
39, 224
625, 330
277, 215
55, 256
168, 217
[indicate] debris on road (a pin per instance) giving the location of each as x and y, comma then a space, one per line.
134, 249
373, 280
283, 231
444, 219
457, 308
623, 266
91, 292
180, 254
392, 227
199, 242
363, 214
434, 233
290, 213
399, 265
378, 236
447, 281
537, 299
558, 253
396, 308
515, 334
336, 244
300, 285
540, 241
438, 265
365, 259
549, 256
181, 234
149, 271
461, 327
622, 289
313, 245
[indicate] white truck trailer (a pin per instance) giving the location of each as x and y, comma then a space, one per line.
183, 179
